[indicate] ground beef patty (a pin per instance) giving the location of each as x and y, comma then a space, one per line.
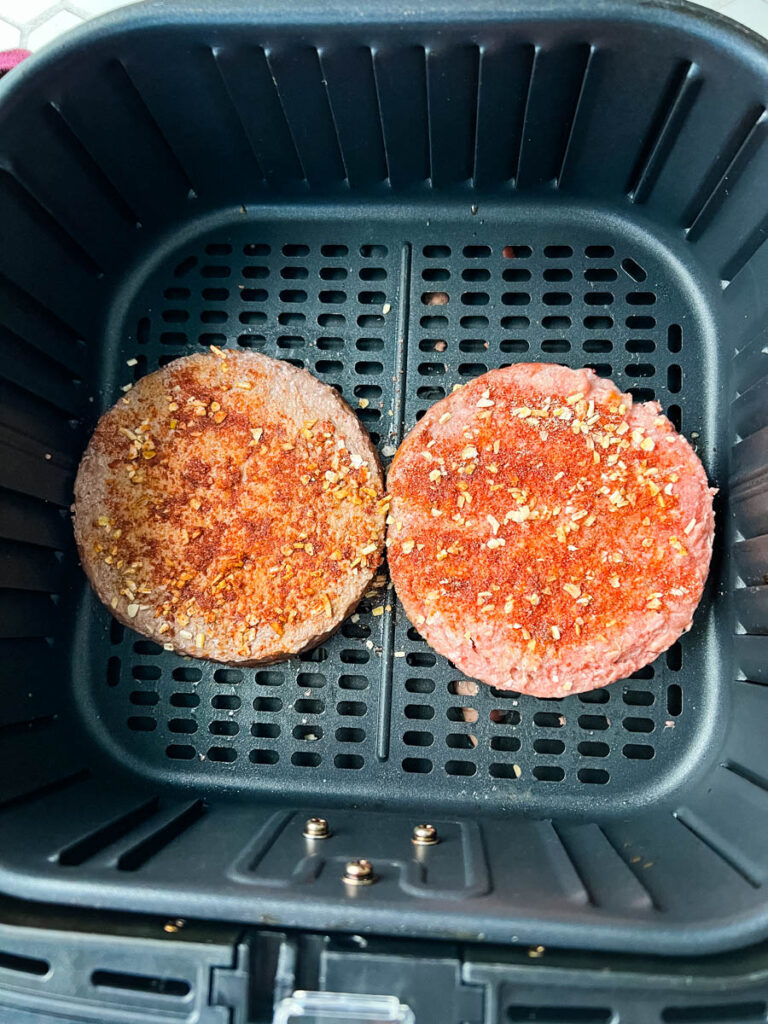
230, 506
547, 535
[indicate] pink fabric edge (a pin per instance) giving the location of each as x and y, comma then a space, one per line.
10, 58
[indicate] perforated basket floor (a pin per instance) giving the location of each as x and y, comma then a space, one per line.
398, 316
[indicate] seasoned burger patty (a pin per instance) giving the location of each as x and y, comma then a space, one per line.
547, 535
230, 506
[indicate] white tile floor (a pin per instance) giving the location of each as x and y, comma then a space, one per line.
33, 23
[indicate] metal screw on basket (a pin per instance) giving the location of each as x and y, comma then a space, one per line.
359, 872
425, 835
316, 828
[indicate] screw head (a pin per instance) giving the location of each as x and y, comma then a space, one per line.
316, 828
425, 835
359, 872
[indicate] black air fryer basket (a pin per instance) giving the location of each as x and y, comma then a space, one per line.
584, 183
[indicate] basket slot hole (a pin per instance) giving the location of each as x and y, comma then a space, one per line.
183, 725
591, 748
148, 647
347, 735
598, 298
180, 752
638, 752
505, 743
674, 657
595, 697
593, 776
548, 773
513, 322
373, 251
417, 765
513, 274
265, 677
265, 730
354, 761
476, 252
305, 759
435, 252
310, 733
640, 370
558, 274
556, 345
225, 702
338, 273
556, 323
355, 630
113, 671
472, 369
422, 712
638, 698
185, 700
548, 746
214, 316
417, 738
334, 250
435, 274
520, 298
639, 724
549, 720
633, 270
640, 345
674, 700
504, 771
144, 698
598, 323
600, 274
351, 708
353, 682
641, 298
675, 378
260, 273
336, 298
305, 706
263, 757
593, 723
460, 741
370, 344
597, 345
267, 704
516, 252
601, 369
504, 716
354, 657
463, 768
473, 345
310, 680
599, 252
224, 728
514, 345
330, 344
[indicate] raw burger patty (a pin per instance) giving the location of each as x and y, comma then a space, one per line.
547, 535
230, 506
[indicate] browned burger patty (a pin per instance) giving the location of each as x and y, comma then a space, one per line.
230, 506
547, 535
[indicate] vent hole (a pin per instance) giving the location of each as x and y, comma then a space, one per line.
263, 757
548, 773
310, 733
513, 274
593, 749
593, 776
350, 735
180, 752
419, 685
351, 708
639, 724
417, 765
419, 711
675, 657
184, 700
304, 759
434, 252
674, 700
418, 739
353, 682
140, 983
265, 730
597, 345
633, 270
348, 761
226, 754
638, 752
674, 378
708, 1013
600, 274
435, 274
460, 768
556, 323
505, 771
599, 252
548, 746
516, 252
514, 345
638, 698
640, 345
460, 741
505, 743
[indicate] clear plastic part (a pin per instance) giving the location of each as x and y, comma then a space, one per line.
341, 1008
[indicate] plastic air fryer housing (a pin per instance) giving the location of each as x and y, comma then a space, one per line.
398, 198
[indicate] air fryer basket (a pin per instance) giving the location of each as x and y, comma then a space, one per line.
398, 201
